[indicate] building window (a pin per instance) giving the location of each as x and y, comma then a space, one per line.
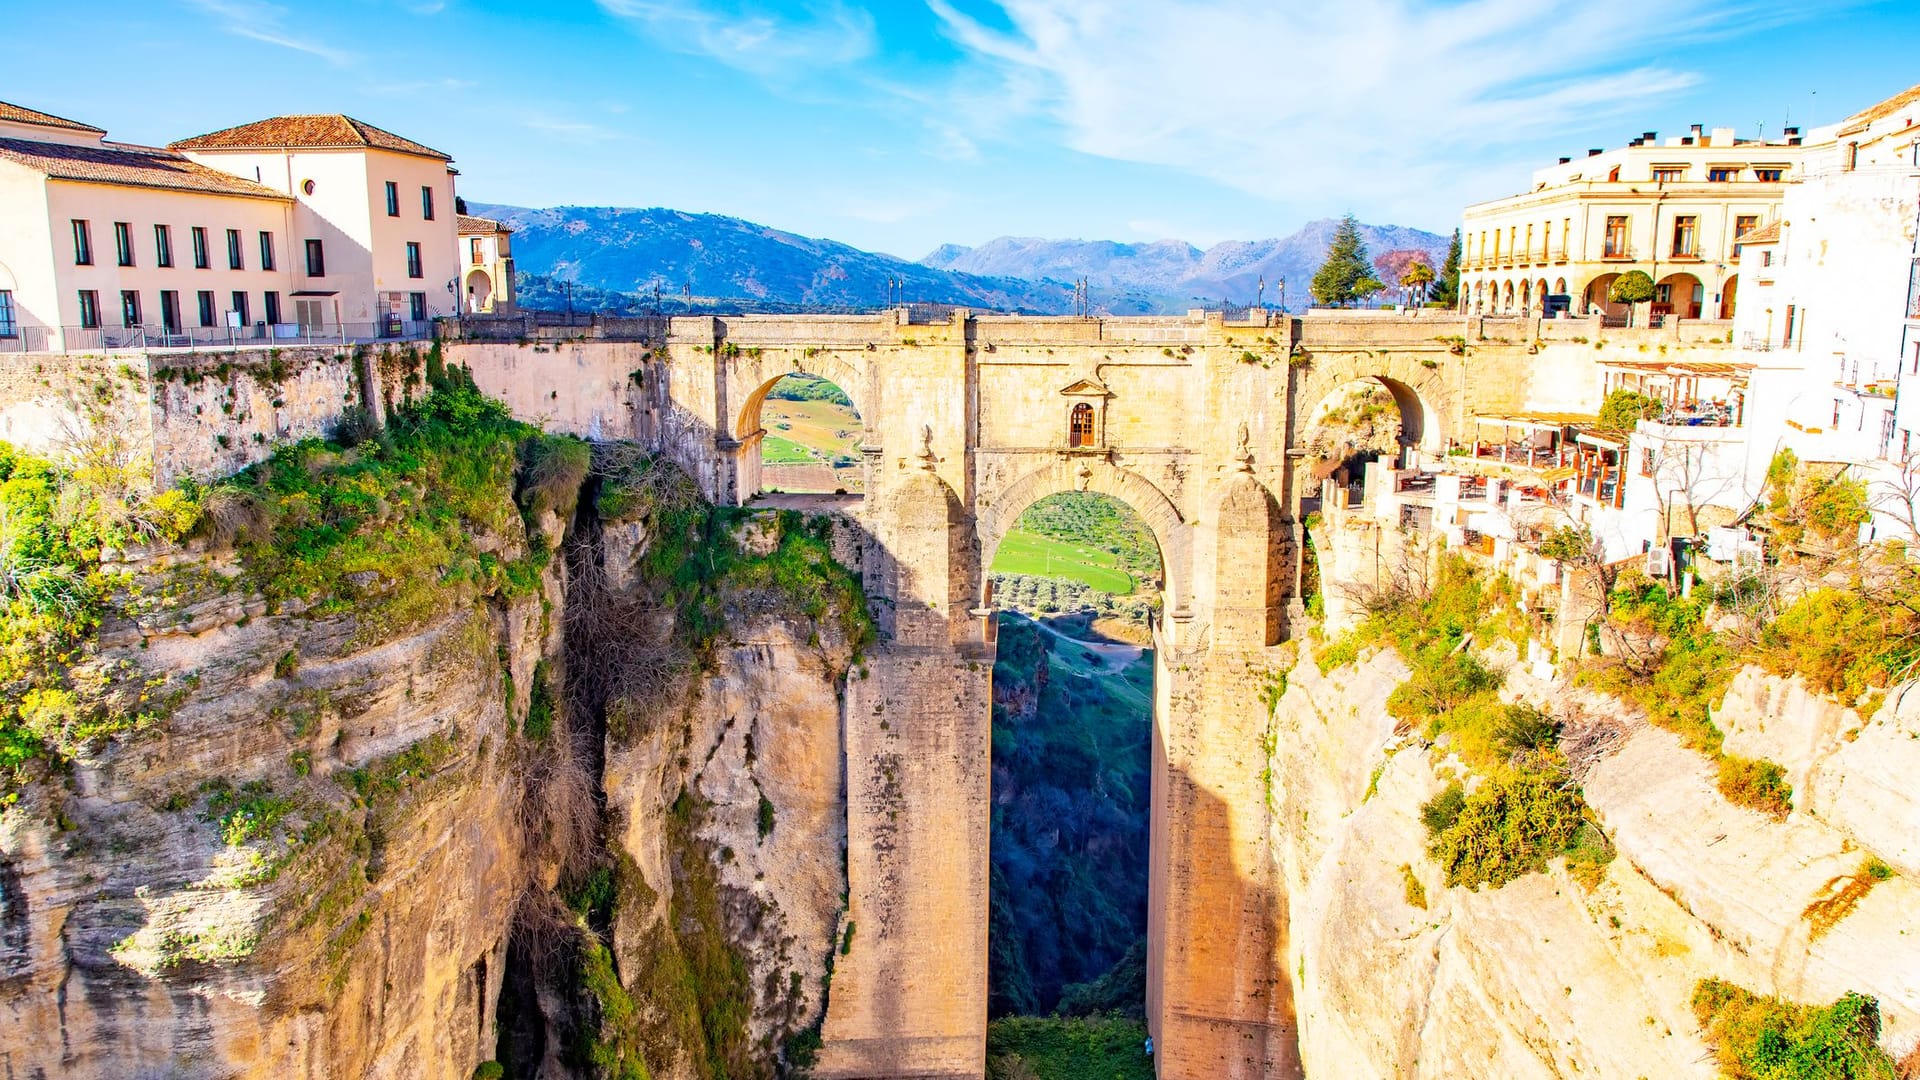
1080, 426
129, 308
413, 261
1836, 414
1649, 459
170, 310
474, 252
270, 300
162, 246
208, 316
1723, 174
1913, 291
1793, 316
123, 242
316, 259
1766, 257
393, 199
1684, 228
240, 307
9, 326
1613, 175
1616, 242
1566, 234
1770, 175
82, 244
201, 257
426, 203
1669, 174
89, 309
235, 257
417, 306
266, 250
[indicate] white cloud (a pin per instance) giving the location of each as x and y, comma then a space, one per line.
264, 23
566, 128
1370, 104
751, 38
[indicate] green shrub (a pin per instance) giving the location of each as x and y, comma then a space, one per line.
1508, 826
1624, 409
1766, 1038
1067, 1048
1415, 890
540, 703
765, 822
1756, 784
489, 1070
1842, 642
1441, 811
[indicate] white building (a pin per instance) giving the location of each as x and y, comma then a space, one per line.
289, 227
1832, 324
486, 256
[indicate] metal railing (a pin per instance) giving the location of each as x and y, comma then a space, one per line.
255, 335
1753, 342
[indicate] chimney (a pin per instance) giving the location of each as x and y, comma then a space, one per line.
1635, 142
1564, 160
1595, 152
1698, 130
1650, 137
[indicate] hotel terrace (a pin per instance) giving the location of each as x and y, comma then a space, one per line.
289, 228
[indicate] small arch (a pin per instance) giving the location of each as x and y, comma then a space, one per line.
815, 447
1526, 295
1729, 294
1080, 430
1597, 298
479, 292
1540, 295
1506, 302
1679, 294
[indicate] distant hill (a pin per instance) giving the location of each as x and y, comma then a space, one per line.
728, 259
1174, 275
726, 263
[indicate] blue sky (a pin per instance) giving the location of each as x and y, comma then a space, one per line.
897, 126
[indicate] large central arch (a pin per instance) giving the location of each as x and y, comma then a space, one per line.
995, 517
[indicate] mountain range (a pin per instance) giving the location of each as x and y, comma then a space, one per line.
710, 261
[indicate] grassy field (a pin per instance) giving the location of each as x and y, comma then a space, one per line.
826, 429
805, 440
1025, 552
1053, 1048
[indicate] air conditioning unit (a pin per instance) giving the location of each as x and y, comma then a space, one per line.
1659, 562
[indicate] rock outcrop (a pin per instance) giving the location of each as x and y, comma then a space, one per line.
1399, 976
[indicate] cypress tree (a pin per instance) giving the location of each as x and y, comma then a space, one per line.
1347, 273
1447, 292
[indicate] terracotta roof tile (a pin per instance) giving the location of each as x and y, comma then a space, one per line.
470, 225
1765, 234
325, 131
129, 166
1866, 116
20, 114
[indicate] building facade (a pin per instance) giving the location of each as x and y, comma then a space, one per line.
486, 263
289, 228
1676, 210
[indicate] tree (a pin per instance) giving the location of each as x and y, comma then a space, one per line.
1632, 287
1417, 278
1340, 278
1625, 408
1447, 292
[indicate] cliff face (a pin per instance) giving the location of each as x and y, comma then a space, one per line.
1549, 976
305, 872
371, 808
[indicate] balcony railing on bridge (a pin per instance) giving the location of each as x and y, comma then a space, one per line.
256, 335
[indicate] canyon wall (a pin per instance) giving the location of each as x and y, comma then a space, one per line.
1550, 976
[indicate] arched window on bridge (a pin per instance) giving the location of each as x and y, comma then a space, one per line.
1080, 426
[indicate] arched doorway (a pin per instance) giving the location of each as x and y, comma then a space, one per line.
1080, 426
1526, 296
1679, 294
1596, 301
479, 292
1506, 300
1729, 291
1076, 581
1540, 295
801, 436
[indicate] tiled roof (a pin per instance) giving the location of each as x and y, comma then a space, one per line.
471, 225
1765, 234
20, 114
326, 131
130, 166
1907, 97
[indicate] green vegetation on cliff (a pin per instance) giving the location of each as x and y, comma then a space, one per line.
1766, 1038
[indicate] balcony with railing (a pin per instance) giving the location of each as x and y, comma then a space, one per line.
72, 339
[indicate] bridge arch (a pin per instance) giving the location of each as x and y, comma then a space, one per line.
1172, 534
1421, 392
751, 374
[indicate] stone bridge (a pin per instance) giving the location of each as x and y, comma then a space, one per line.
1200, 425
